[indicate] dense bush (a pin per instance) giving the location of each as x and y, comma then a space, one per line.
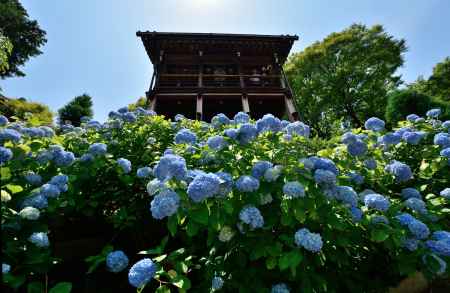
20, 109
404, 102
76, 110
234, 205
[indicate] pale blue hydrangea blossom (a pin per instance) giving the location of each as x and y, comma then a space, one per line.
251, 216
116, 261
141, 272
308, 240
247, 184
204, 186
164, 204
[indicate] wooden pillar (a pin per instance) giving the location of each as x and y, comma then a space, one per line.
152, 104
199, 107
245, 104
200, 74
292, 112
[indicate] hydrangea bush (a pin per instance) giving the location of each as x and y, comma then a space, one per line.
189, 205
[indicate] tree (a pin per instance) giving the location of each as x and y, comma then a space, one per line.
346, 76
24, 34
80, 106
20, 109
5, 52
438, 84
141, 102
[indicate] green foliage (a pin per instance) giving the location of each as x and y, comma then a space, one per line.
24, 34
5, 52
404, 102
187, 246
347, 75
438, 84
72, 112
141, 102
22, 110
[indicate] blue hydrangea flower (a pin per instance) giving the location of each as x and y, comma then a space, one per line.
374, 124
405, 219
370, 164
268, 123
155, 186
324, 177
379, 219
144, 172
203, 186
403, 130
226, 184
325, 164
260, 167
129, 117
410, 243
377, 202
273, 173
412, 117
5, 267
241, 118
445, 193
220, 120
356, 178
231, 133
298, 128
308, 240
445, 153
40, 239
390, 139
33, 178
410, 192
357, 148
114, 115
416, 204
5, 155
418, 229
124, 164
50, 190
9, 134
185, 136
356, 214
142, 272
401, 172
216, 142
247, 184
412, 137
60, 181
348, 138
442, 139
251, 216
3, 120
216, 283
170, 166
246, 133
164, 204
280, 288
440, 243
63, 158
347, 195
433, 113
87, 158
35, 200
97, 149
293, 189
116, 261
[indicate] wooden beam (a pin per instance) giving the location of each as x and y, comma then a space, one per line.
199, 107
292, 112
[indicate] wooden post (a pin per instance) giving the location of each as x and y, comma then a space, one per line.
200, 74
153, 103
292, 112
199, 107
245, 104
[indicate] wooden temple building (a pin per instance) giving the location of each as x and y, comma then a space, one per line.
201, 74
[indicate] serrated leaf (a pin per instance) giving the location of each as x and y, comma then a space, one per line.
14, 188
62, 287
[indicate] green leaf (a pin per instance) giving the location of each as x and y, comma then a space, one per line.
35, 287
14, 188
191, 229
62, 287
13, 281
379, 235
160, 258
228, 207
162, 289
201, 215
271, 263
291, 259
172, 224
5, 173
181, 282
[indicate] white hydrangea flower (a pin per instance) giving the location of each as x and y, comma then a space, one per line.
226, 233
5, 196
29, 213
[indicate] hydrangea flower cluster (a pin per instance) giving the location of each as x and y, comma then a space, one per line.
216, 142
217, 283
144, 172
203, 186
5, 155
308, 240
29, 213
298, 128
374, 124
40, 239
260, 167
124, 164
97, 149
377, 202
401, 171
185, 136
116, 261
141, 272
247, 184
170, 166
280, 288
293, 189
164, 204
251, 216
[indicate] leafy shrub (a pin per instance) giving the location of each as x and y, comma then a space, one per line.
23, 110
261, 201
404, 102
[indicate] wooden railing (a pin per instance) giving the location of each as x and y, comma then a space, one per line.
220, 80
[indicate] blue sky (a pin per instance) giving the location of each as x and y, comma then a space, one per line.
92, 46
